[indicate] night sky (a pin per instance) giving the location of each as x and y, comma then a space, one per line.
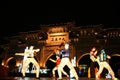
26, 16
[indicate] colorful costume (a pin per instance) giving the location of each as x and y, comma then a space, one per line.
57, 61
101, 60
66, 61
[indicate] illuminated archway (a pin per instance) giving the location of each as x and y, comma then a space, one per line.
115, 63
115, 55
81, 58
49, 64
83, 64
48, 58
8, 60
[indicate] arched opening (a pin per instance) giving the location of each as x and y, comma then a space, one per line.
84, 64
115, 64
50, 65
12, 66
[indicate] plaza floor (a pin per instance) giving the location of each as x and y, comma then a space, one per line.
46, 78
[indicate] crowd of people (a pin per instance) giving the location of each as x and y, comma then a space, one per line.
62, 60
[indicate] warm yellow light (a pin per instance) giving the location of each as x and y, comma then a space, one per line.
18, 63
2, 63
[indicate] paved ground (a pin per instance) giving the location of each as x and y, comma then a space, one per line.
45, 78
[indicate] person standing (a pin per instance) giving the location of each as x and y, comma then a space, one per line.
66, 61
29, 58
101, 60
92, 64
57, 61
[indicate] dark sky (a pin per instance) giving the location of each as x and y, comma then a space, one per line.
24, 16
